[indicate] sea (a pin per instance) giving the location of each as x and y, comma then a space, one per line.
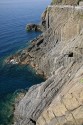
14, 16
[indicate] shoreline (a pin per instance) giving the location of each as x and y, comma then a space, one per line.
13, 62
19, 58
15, 59
58, 53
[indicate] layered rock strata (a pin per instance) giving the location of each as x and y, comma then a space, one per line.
57, 54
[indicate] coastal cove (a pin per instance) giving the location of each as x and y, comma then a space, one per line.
14, 16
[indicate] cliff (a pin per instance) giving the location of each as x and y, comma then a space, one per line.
58, 55
66, 2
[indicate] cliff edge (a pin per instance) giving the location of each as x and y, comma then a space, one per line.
57, 54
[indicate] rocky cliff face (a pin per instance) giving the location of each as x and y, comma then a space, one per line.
66, 2
58, 55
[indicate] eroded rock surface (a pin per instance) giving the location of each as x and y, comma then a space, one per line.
58, 55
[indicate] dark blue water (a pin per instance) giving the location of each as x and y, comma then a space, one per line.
14, 15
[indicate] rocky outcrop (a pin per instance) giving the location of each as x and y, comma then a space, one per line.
33, 27
66, 2
57, 54
59, 99
39, 27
